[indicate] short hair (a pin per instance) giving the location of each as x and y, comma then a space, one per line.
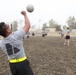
3, 29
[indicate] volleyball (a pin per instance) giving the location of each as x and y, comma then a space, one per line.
30, 8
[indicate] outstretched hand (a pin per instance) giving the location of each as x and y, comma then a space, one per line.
23, 13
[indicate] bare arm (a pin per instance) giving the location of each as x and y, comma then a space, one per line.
27, 22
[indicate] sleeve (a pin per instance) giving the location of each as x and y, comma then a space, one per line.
19, 34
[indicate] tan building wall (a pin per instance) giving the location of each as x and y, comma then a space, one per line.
50, 29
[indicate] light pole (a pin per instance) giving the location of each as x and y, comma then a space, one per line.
11, 26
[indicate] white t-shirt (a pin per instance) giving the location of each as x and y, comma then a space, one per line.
13, 45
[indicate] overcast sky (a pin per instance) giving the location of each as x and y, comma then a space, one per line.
44, 10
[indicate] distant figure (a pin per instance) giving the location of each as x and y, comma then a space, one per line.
43, 33
33, 34
28, 35
62, 34
67, 36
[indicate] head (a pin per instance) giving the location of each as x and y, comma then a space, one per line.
68, 28
5, 30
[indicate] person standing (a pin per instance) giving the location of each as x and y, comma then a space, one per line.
28, 34
12, 45
43, 33
62, 34
67, 36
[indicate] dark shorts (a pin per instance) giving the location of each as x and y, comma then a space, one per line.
43, 35
27, 36
21, 68
67, 37
33, 34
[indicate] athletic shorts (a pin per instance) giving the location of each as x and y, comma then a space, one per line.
27, 36
67, 37
21, 68
43, 35
33, 34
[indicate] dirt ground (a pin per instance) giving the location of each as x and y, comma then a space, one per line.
47, 56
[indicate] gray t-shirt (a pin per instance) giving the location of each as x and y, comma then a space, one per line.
13, 45
67, 32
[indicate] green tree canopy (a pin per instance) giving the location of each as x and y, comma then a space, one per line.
71, 22
52, 23
58, 28
14, 25
44, 26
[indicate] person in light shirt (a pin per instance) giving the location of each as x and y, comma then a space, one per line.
67, 36
12, 45
62, 34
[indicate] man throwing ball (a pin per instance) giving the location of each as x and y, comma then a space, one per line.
12, 45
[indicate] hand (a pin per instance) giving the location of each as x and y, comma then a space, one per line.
23, 13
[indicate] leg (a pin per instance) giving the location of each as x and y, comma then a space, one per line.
13, 69
68, 42
65, 42
24, 68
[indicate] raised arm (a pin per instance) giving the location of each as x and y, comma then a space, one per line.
27, 22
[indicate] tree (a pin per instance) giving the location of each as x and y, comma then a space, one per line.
14, 25
32, 26
44, 26
71, 22
52, 23
21, 24
64, 27
58, 28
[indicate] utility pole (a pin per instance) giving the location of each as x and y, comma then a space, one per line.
11, 26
